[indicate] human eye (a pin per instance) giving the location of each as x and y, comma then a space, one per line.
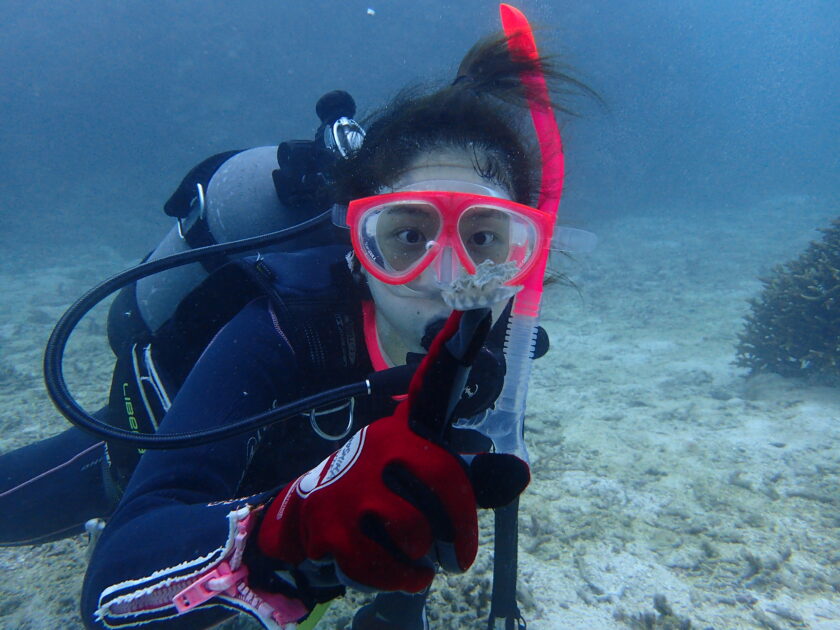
409, 236
484, 238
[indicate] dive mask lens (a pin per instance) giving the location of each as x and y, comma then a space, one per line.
497, 234
397, 237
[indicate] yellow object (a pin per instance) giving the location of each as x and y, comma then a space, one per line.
314, 617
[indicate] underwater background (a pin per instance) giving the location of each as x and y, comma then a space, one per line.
660, 466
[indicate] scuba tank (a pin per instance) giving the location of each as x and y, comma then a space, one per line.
239, 194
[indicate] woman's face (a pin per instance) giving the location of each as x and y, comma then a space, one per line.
404, 312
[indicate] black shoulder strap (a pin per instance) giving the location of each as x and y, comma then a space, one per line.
321, 319
323, 324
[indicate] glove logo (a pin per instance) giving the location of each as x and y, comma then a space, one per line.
333, 467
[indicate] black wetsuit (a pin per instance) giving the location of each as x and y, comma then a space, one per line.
49, 489
174, 513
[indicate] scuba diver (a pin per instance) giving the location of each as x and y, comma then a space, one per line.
450, 213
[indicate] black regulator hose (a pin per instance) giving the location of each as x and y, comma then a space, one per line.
70, 408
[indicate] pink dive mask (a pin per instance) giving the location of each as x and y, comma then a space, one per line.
397, 236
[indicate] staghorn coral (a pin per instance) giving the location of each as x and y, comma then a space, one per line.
794, 326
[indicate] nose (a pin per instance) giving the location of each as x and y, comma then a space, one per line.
447, 267
443, 270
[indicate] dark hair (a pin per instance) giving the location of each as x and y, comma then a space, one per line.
482, 112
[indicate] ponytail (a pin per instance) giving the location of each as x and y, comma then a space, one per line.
481, 112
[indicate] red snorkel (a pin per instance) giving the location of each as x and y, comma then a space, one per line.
505, 423
521, 45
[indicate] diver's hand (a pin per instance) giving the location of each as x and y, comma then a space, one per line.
384, 508
394, 501
497, 478
434, 395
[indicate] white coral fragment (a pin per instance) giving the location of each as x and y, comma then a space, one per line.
483, 288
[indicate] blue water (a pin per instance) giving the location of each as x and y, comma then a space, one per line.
106, 105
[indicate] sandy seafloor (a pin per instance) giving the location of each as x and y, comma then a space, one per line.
659, 468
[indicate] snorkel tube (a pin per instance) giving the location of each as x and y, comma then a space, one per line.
504, 425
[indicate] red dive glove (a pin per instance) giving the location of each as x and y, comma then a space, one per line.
378, 507
390, 504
